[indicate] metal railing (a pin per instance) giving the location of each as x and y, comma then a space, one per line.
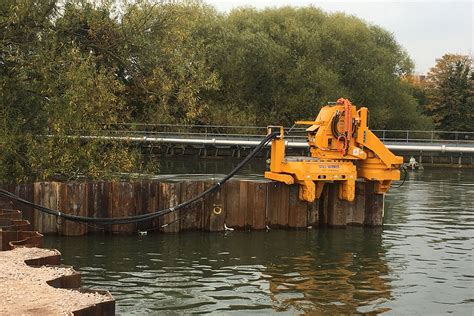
416, 136
256, 132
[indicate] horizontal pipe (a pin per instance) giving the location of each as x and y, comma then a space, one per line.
400, 131
437, 148
252, 143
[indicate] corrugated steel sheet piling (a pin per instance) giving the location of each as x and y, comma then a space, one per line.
240, 204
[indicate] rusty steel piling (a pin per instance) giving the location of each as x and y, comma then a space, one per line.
239, 204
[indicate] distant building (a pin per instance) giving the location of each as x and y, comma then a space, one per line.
417, 79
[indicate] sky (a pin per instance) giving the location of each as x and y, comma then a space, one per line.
426, 29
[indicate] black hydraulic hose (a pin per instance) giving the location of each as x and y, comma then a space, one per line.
404, 177
334, 122
139, 218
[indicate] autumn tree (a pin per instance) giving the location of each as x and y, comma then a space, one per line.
450, 93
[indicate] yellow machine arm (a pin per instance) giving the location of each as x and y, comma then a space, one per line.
342, 148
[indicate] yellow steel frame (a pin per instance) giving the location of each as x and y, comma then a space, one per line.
332, 159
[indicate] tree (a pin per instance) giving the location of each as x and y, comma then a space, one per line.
73, 67
168, 65
22, 22
280, 65
450, 93
53, 87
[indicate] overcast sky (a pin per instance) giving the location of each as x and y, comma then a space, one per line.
426, 29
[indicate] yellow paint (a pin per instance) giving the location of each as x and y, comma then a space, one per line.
335, 146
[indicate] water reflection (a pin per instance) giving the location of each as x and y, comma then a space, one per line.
327, 271
420, 262
345, 272
429, 229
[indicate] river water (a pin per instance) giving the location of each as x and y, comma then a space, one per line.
420, 262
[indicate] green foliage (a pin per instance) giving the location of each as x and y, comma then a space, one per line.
168, 67
75, 67
284, 64
450, 93
55, 88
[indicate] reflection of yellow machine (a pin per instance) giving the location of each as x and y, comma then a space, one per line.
342, 149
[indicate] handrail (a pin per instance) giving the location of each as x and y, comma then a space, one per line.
265, 127
253, 132
239, 135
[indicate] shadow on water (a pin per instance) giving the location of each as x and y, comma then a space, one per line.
420, 262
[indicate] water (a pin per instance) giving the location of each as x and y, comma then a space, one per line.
420, 262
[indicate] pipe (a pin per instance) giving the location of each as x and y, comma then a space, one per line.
253, 143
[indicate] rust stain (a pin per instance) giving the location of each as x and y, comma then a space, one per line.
242, 205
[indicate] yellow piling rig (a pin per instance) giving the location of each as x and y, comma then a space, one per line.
342, 148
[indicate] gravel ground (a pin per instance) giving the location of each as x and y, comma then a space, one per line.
23, 289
